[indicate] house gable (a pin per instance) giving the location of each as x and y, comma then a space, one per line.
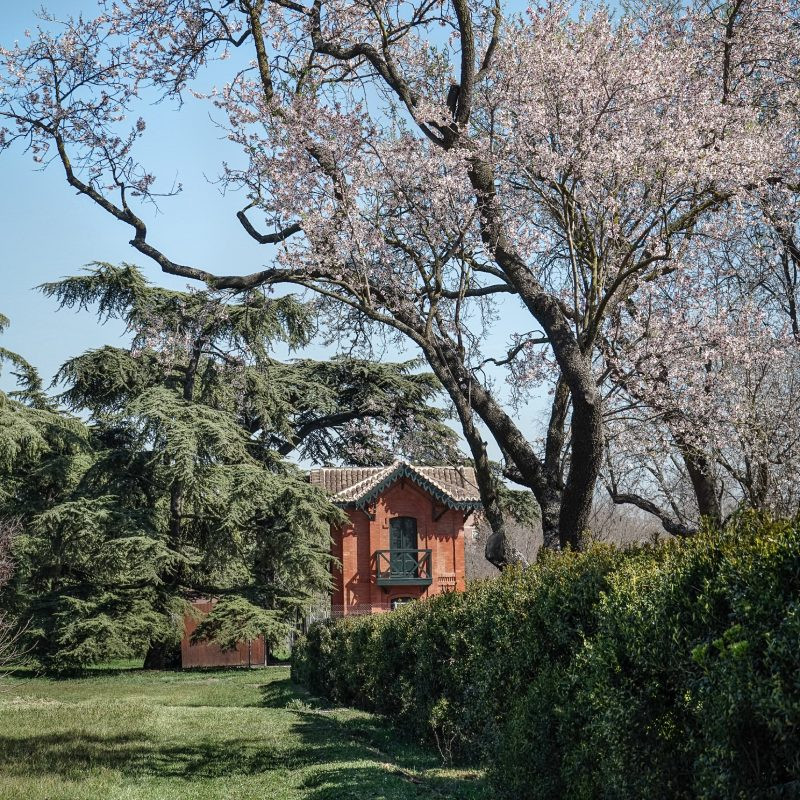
375, 575
454, 487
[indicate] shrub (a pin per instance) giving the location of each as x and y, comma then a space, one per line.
666, 671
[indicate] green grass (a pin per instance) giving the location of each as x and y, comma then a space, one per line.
126, 734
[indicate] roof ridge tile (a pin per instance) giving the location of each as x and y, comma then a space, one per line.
457, 485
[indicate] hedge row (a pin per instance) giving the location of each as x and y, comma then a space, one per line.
655, 672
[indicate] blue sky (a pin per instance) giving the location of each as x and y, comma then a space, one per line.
48, 231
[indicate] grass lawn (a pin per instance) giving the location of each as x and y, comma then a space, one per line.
127, 734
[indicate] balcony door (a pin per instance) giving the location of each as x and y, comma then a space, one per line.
403, 537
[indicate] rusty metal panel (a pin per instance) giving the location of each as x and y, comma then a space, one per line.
207, 654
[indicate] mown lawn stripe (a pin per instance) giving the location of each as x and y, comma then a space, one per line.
226, 735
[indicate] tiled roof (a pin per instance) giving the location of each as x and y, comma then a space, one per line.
455, 486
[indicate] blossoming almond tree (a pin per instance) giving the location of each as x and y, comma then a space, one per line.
701, 418
417, 163
706, 378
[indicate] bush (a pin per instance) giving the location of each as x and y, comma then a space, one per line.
667, 672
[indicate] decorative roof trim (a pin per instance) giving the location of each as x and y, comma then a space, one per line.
403, 470
368, 489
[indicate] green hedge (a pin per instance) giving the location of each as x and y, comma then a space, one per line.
654, 672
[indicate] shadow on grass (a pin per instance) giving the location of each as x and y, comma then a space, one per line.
113, 671
332, 754
339, 767
398, 767
281, 693
385, 766
73, 756
29, 673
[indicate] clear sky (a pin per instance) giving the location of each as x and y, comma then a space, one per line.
48, 231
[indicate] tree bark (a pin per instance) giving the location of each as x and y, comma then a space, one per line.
704, 484
575, 365
499, 551
544, 479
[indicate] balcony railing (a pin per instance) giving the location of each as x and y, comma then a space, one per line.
403, 567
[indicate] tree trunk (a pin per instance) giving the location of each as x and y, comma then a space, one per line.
575, 365
550, 502
163, 654
499, 551
584, 467
704, 484
551, 495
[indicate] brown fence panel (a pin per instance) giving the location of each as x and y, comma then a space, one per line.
207, 654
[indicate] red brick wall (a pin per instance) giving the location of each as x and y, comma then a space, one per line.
355, 587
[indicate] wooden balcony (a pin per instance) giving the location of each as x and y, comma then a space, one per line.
403, 567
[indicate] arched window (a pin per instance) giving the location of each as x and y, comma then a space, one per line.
403, 546
400, 601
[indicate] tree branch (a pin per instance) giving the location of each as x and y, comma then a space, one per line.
268, 238
670, 525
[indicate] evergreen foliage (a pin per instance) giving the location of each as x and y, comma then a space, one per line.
173, 480
7, 637
666, 671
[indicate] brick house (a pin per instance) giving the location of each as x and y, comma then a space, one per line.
405, 536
